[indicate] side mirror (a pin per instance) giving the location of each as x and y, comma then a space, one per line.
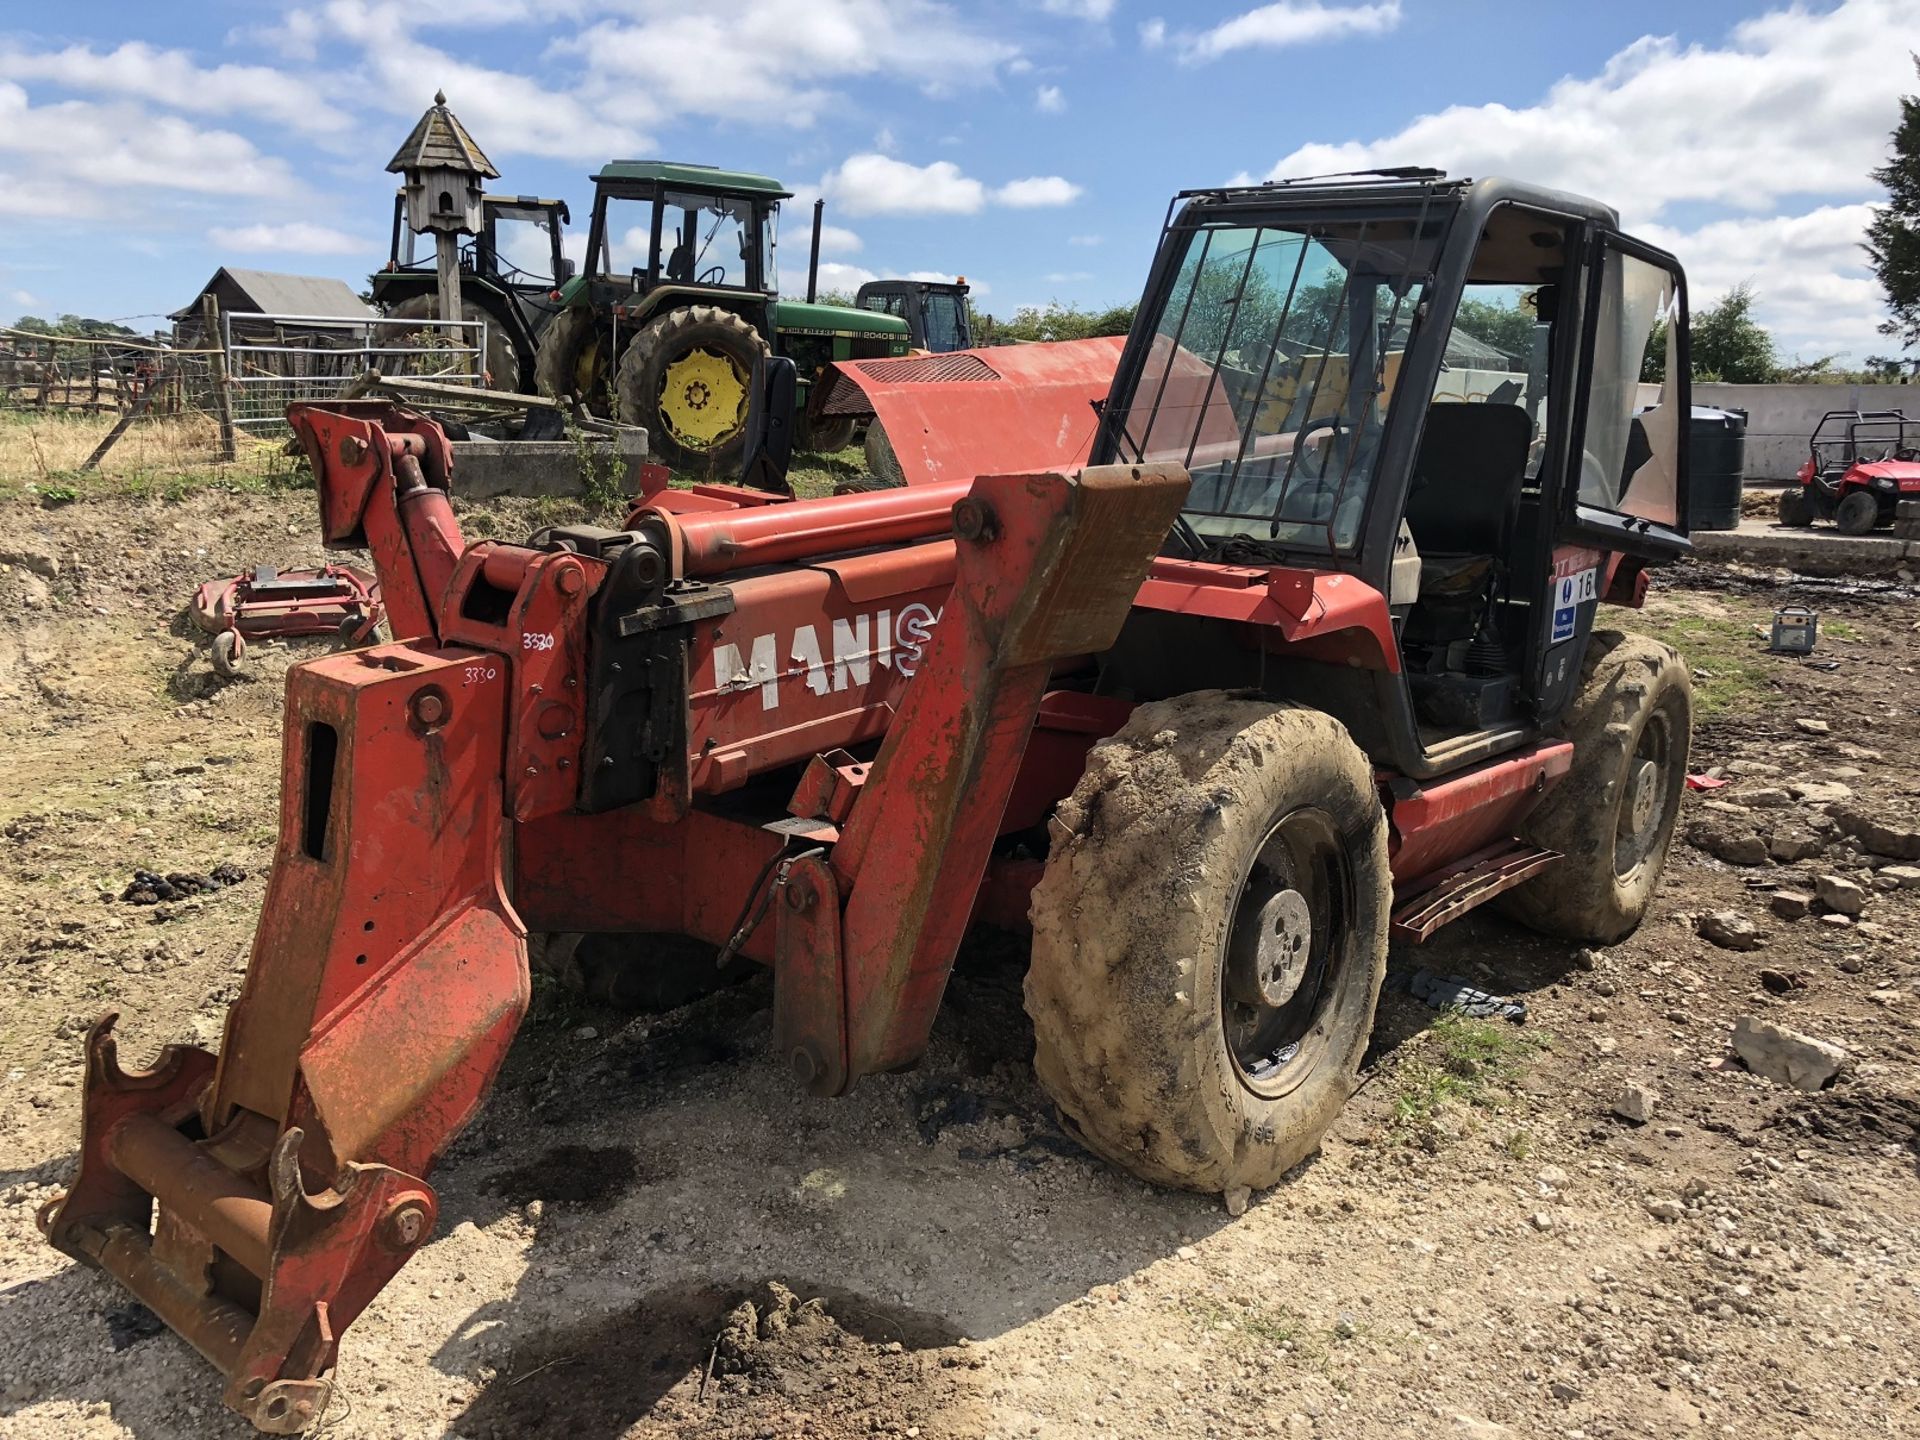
770, 412
567, 268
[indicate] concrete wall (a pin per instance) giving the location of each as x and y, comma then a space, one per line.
1780, 418
483, 469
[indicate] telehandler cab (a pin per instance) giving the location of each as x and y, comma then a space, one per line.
1304, 659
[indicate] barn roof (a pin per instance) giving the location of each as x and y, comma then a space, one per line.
271, 293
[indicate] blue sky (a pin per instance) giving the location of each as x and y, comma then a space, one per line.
1029, 144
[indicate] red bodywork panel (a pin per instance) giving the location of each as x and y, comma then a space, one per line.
1004, 409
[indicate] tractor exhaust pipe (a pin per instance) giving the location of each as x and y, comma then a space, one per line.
813, 255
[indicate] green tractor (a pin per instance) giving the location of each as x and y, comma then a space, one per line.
676, 302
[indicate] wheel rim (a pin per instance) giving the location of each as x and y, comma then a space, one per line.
1287, 951
1646, 796
703, 399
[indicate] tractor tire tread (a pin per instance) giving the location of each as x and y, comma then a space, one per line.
1624, 678
652, 346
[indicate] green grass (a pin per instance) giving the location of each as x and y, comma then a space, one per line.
1732, 674
1462, 1062
1838, 630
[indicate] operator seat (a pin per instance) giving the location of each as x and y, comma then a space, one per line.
1467, 478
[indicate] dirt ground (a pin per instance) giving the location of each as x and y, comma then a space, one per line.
1483, 1248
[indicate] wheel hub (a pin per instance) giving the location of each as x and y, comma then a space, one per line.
1269, 954
1645, 796
701, 399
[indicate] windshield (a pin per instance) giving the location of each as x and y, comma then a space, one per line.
1272, 369
706, 240
943, 316
523, 246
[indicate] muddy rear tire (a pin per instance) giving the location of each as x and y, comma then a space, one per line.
1796, 508
502, 361
1613, 814
568, 362
1209, 938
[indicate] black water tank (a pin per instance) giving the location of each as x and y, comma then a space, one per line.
1716, 467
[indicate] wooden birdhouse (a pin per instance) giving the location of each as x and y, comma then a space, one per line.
444, 173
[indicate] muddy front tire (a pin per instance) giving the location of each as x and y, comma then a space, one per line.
502, 361
1613, 814
1209, 938
1796, 508
1857, 513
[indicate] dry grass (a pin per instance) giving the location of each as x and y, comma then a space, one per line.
41, 455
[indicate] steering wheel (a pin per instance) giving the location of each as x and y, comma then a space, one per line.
713, 275
1311, 462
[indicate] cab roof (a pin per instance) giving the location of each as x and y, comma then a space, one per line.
681, 175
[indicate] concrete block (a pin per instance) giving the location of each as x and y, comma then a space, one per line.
483, 469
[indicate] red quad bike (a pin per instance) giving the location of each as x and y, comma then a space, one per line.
1308, 656
1860, 465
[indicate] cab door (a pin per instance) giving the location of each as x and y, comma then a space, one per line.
1624, 492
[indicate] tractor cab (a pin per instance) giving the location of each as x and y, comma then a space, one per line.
935, 311
1425, 391
511, 272
665, 226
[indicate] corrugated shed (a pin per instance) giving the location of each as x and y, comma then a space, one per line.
269, 292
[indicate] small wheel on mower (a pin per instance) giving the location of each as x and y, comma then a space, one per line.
1857, 513
686, 377
826, 437
1796, 509
569, 361
1209, 938
1612, 815
229, 649
882, 464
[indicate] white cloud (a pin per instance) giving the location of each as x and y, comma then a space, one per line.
834, 275
295, 237
1277, 26
23, 297
79, 154
173, 79
838, 240
1086, 239
1036, 192
1079, 9
873, 184
777, 61
1067, 277
1153, 33
1049, 100
1794, 105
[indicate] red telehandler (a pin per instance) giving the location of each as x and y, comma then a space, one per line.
1305, 658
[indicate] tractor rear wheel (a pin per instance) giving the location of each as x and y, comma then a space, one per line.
569, 361
502, 361
1612, 816
1796, 507
882, 464
686, 377
1209, 938
1857, 513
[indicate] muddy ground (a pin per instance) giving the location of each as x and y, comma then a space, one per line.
1482, 1249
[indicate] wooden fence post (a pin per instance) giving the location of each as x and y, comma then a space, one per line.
217, 367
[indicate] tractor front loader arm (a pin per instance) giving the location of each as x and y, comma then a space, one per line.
258, 1202
1047, 567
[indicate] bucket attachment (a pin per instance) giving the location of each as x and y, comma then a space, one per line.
259, 1201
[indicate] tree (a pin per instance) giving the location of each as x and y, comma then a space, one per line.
1729, 344
73, 325
1893, 238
